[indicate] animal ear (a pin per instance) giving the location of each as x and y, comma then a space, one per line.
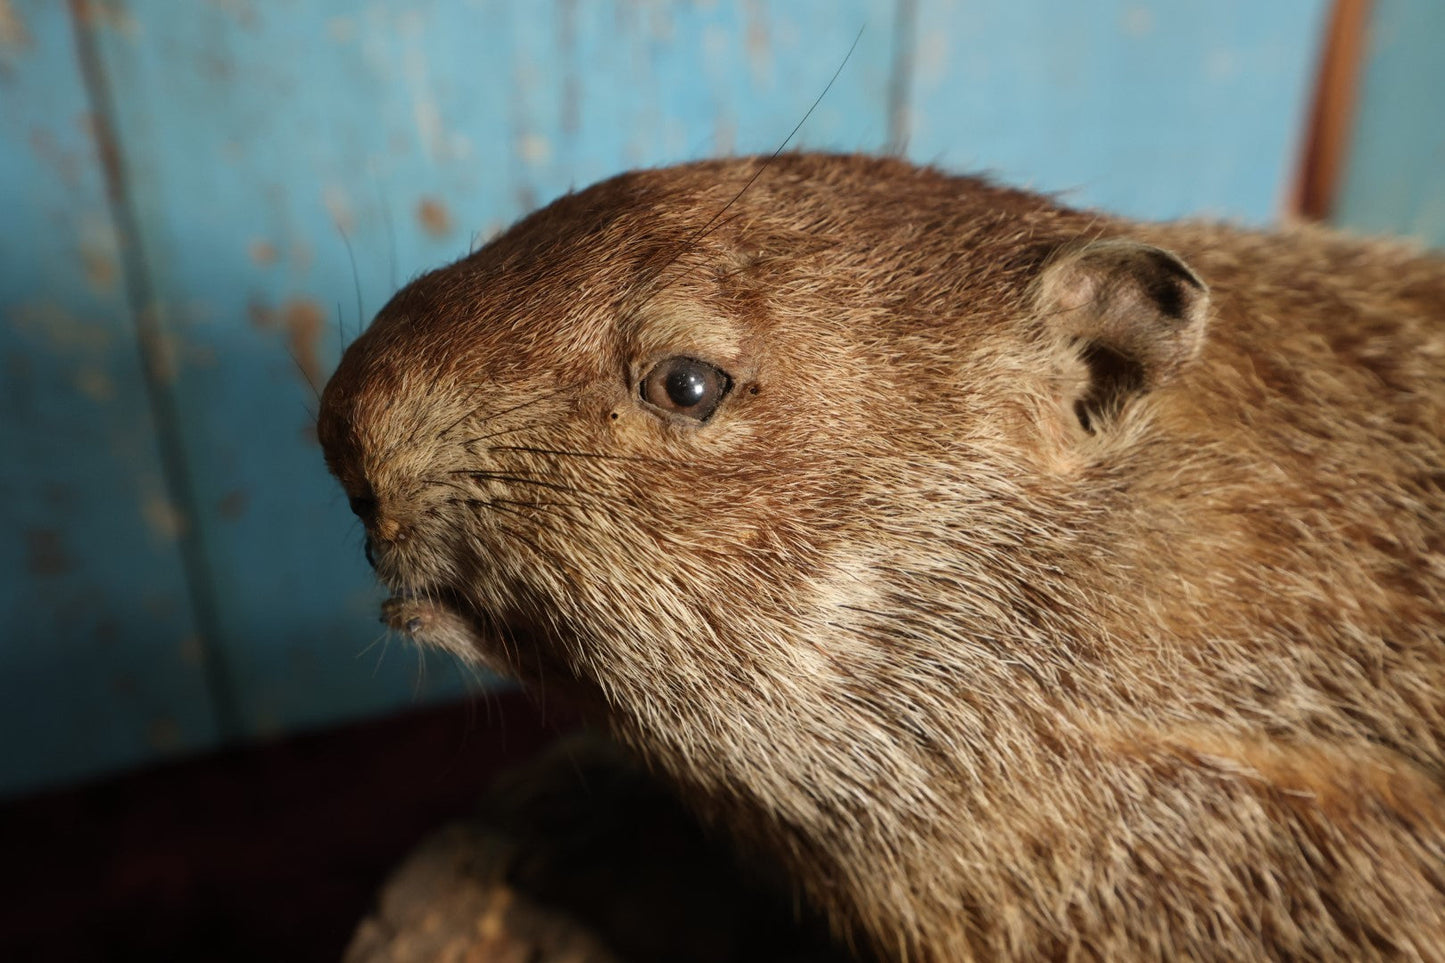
1125, 318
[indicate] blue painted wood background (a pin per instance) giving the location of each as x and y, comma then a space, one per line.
186, 188
1394, 181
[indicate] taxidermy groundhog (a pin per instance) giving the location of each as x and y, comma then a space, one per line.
1029, 583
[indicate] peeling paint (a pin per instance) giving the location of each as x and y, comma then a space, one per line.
428, 120
758, 43
112, 14
101, 270
724, 135
571, 106
95, 383
59, 495
301, 257
107, 151
266, 723
165, 519
341, 29
534, 148
163, 733
1138, 22
160, 605
338, 207
415, 63
262, 315
162, 348
215, 66
14, 38
434, 217
63, 331
263, 253
191, 651
526, 196
45, 553
932, 59
65, 164
571, 112
232, 505
17, 387
304, 321
717, 42
201, 356
1221, 64
461, 146
242, 11
364, 602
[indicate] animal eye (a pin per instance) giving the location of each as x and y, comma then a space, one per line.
685, 386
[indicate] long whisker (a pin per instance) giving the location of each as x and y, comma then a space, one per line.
374, 643
495, 434
522, 504
355, 275
703, 232
515, 479
446, 483
499, 502
390, 232
501, 505
677, 258
467, 412
306, 375
500, 414
381, 657
420, 684
604, 456
713, 222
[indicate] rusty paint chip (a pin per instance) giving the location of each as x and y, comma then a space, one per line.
304, 320
13, 35
233, 504
263, 253
164, 518
45, 553
434, 218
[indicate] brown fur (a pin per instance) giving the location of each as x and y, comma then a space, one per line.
1023, 596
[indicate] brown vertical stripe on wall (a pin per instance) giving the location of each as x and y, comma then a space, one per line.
1322, 156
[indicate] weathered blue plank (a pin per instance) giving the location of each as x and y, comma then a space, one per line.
649, 84
99, 655
1150, 108
252, 131
1395, 174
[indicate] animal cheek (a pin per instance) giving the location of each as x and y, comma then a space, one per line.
388, 529
1059, 446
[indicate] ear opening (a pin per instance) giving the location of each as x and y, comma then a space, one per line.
1127, 315
1113, 379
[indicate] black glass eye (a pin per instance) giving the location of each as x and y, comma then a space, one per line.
685, 386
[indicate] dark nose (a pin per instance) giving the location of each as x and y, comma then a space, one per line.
365, 508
